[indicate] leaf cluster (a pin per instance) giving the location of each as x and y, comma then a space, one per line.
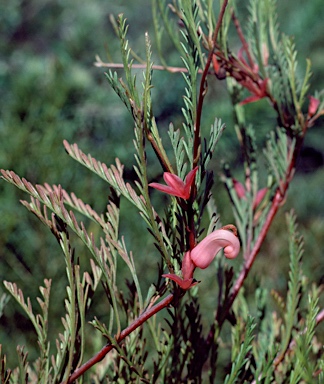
187, 345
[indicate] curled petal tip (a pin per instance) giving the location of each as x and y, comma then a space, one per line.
231, 251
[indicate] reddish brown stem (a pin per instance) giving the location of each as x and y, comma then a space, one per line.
196, 146
242, 38
250, 258
137, 323
279, 359
277, 201
202, 90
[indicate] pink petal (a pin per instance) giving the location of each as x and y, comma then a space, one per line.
258, 92
173, 181
239, 189
250, 99
166, 189
189, 180
259, 197
191, 177
175, 186
204, 253
313, 105
188, 267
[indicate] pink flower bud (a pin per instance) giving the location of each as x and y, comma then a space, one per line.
313, 106
259, 197
241, 193
239, 189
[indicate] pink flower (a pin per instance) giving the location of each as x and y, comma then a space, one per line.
204, 253
241, 193
313, 106
239, 189
259, 197
175, 186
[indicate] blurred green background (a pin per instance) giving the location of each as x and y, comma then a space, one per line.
50, 91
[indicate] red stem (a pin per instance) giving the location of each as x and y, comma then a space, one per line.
202, 90
276, 203
242, 38
137, 323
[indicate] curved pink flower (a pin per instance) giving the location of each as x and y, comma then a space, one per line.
175, 186
204, 253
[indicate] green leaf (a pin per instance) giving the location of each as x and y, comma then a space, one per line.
241, 358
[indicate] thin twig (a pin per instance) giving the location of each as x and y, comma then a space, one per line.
319, 318
277, 202
202, 90
201, 96
242, 38
281, 356
102, 64
137, 323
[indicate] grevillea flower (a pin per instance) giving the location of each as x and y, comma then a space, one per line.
204, 253
175, 186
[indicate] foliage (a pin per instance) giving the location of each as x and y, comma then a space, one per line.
135, 334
